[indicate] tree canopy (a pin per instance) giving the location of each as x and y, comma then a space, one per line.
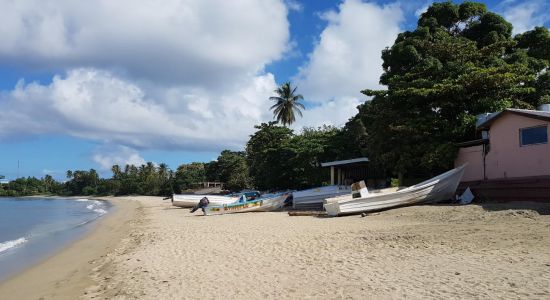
459, 62
279, 159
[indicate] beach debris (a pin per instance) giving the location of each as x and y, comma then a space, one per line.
307, 213
369, 214
467, 197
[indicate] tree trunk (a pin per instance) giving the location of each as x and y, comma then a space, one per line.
400, 178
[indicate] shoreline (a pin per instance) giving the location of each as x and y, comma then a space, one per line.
67, 273
148, 249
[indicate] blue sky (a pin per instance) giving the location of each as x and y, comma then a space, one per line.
89, 84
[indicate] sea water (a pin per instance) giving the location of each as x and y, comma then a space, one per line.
34, 228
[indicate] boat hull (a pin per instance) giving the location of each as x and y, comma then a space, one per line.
437, 189
313, 198
262, 204
192, 200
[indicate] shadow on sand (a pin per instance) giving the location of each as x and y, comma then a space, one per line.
540, 207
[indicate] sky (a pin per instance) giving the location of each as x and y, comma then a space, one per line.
89, 84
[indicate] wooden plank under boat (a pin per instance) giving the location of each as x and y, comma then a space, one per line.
260, 204
437, 189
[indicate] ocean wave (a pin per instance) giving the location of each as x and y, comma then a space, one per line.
10, 244
100, 211
97, 207
82, 200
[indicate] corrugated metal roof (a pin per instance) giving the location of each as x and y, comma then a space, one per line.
344, 162
535, 114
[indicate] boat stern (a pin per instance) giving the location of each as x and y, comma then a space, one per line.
332, 209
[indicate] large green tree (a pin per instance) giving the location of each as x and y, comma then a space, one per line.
188, 175
278, 159
287, 104
459, 62
233, 170
266, 153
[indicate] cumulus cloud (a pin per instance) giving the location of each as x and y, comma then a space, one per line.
178, 74
175, 74
191, 41
333, 112
101, 106
109, 155
294, 5
525, 15
347, 59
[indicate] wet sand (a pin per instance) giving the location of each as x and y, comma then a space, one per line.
66, 274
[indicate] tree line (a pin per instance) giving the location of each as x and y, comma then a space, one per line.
275, 158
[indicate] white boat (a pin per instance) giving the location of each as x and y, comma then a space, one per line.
313, 198
192, 200
260, 204
439, 188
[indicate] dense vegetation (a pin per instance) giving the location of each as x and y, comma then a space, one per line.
275, 159
459, 62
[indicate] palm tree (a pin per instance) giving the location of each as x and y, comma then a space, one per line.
287, 103
116, 171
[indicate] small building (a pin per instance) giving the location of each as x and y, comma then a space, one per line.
346, 172
513, 154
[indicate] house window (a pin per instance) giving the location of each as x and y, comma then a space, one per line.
533, 135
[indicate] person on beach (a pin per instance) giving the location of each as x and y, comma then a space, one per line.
202, 204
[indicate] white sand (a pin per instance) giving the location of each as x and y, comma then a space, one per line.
416, 252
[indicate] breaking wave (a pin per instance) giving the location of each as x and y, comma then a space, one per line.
10, 244
97, 206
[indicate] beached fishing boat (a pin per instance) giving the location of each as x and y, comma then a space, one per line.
260, 204
192, 200
439, 188
313, 198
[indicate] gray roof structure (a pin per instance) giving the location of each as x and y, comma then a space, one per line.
535, 114
344, 162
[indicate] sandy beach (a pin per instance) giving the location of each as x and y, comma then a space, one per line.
155, 251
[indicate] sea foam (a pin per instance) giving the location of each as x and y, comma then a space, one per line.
97, 206
10, 244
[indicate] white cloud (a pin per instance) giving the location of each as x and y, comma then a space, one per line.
525, 15
347, 59
205, 42
334, 112
98, 105
294, 5
176, 74
187, 74
109, 155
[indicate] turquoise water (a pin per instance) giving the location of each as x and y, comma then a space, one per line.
33, 228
